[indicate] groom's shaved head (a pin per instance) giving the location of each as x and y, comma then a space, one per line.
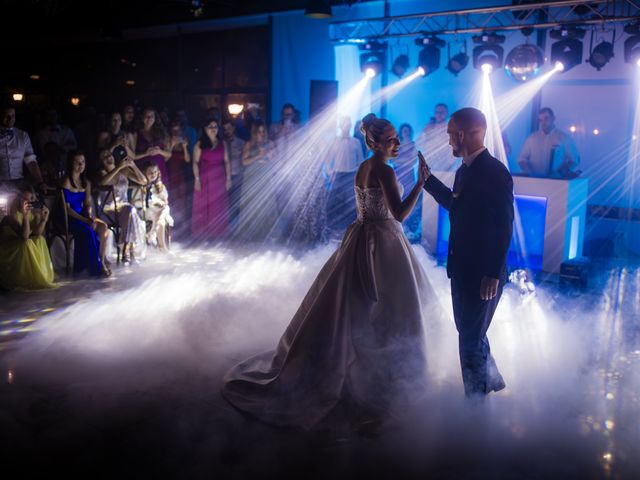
466, 130
469, 119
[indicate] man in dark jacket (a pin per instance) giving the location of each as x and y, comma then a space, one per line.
481, 214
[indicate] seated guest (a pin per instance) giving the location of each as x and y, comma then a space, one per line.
25, 263
89, 233
16, 150
132, 228
549, 152
156, 207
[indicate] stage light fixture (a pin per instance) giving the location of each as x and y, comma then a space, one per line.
568, 49
458, 62
632, 44
524, 62
370, 72
486, 68
400, 65
421, 71
601, 53
318, 9
373, 57
488, 51
429, 56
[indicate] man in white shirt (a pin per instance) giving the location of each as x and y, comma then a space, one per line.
549, 152
343, 159
432, 142
16, 150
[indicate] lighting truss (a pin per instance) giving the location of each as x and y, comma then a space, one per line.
510, 17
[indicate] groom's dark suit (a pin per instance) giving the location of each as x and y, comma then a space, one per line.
481, 214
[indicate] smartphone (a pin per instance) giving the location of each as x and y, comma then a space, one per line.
119, 153
36, 205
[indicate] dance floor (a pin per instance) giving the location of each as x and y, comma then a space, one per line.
120, 378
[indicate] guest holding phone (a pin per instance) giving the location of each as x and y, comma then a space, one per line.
25, 263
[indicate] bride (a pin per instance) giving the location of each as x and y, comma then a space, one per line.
354, 352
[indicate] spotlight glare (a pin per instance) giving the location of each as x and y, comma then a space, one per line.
235, 108
596, 131
486, 68
370, 72
638, 63
422, 71
559, 66
18, 97
572, 129
75, 101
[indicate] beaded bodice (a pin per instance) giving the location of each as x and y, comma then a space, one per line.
370, 205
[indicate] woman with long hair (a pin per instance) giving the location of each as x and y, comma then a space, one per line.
151, 142
258, 206
89, 233
212, 174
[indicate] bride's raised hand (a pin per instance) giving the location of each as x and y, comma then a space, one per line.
423, 169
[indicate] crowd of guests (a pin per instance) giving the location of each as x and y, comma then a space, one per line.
157, 178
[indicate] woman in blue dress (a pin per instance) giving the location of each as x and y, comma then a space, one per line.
89, 233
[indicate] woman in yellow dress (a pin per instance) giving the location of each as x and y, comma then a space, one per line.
25, 263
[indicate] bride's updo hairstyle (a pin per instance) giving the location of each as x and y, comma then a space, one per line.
373, 128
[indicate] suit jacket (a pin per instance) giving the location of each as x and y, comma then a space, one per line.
481, 214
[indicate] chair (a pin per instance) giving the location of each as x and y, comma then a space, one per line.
103, 195
58, 225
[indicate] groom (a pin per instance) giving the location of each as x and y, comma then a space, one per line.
481, 214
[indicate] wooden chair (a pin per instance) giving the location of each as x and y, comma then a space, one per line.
110, 217
58, 225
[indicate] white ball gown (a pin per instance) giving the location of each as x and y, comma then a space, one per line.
355, 350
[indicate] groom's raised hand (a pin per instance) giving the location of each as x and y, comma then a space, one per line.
488, 288
423, 169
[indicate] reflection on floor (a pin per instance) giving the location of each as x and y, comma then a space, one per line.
119, 377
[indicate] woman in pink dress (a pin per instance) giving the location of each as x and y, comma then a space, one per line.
177, 182
212, 174
150, 142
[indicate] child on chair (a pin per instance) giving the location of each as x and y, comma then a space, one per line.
156, 207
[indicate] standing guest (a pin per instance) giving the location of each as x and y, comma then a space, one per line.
89, 233
25, 263
156, 207
258, 208
54, 131
549, 152
188, 131
212, 173
114, 135
16, 150
407, 172
289, 122
177, 182
358, 135
150, 142
281, 135
432, 141
129, 119
344, 158
235, 146
132, 228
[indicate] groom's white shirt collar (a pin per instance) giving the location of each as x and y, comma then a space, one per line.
469, 160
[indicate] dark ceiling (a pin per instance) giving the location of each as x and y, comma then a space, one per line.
89, 15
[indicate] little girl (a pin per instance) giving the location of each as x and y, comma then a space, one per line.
156, 207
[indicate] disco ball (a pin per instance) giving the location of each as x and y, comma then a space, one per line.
524, 62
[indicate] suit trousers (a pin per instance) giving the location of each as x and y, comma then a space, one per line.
473, 317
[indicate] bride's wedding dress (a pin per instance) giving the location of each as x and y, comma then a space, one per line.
355, 349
